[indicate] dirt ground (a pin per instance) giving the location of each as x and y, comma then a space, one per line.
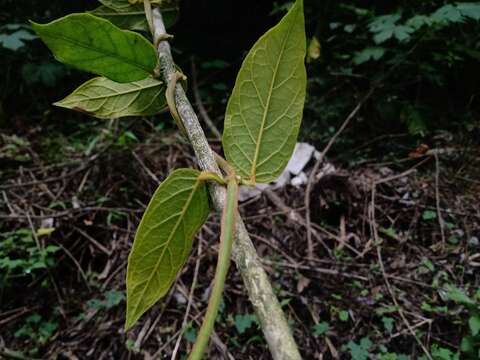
386, 239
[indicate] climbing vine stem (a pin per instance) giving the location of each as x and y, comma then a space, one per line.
226, 240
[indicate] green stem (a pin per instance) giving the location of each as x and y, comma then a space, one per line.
170, 96
224, 164
208, 175
226, 240
148, 14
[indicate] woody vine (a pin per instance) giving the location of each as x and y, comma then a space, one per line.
137, 77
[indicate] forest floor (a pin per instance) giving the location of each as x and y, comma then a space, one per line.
394, 253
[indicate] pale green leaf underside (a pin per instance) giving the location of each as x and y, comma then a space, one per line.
120, 5
96, 45
163, 241
265, 109
105, 99
131, 19
128, 16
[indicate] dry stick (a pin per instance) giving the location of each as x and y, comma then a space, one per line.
145, 167
437, 198
311, 178
190, 300
272, 319
198, 101
385, 277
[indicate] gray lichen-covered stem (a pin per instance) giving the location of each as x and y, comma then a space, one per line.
272, 319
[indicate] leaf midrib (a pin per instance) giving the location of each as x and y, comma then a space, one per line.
107, 53
169, 239
116, 13
122, 93
265, 112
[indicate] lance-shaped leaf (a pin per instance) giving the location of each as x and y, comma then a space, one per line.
265, 109
105, 99
163, 241
94, 44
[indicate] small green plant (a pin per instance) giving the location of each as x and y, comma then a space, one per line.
111, 299
244, 322
321, 328
21, 257
14, 36
470, 345
360, 351
262, 122
38, 330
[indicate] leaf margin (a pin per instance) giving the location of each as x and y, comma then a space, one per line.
251, 175
131, 319
63, 103
143, 69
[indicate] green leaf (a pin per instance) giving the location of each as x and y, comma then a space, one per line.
113, 298
470, 10
163, 241
105, 99
15, 40
131, 19
388, 323
429, 215
244, 322
121, 5
367, 54
417, 21
402, 32
359, 351
343, 315
321, 328
265, 110
96, 45
441, 353
132, 16
383, 27
474, 324
447, 14
468, 344
190, 333
46, 73
457, 295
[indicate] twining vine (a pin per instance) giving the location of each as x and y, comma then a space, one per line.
262, 121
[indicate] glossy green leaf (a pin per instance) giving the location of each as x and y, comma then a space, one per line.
265, 109
163, 241
105, 99
94, 44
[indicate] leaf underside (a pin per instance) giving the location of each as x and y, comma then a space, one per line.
163, 241
96, 45
106, 99
132, 16
132, 19
265, 109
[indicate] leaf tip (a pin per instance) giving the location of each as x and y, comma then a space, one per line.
130, 319
35, 26
128, 324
